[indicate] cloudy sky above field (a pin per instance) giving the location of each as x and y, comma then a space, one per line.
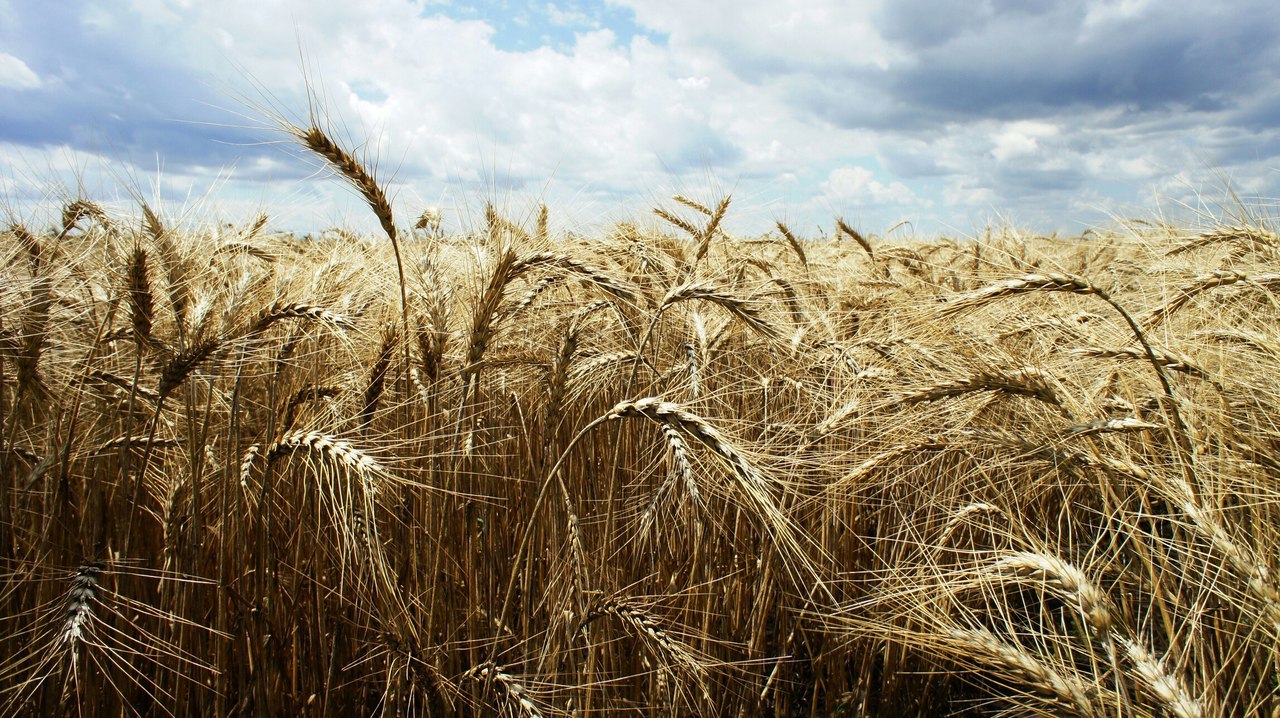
1050, 114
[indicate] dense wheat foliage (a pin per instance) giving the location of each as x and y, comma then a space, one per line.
661, 471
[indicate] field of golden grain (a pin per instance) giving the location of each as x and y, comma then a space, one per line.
662, 471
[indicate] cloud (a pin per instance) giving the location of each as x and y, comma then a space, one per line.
15, 75
1021, 139
942, 105
757, 38
927, 23
1070, 54
858, 186
569, 17
128, 98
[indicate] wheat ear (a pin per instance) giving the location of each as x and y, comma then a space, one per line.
856, 236
680, 470
1159, 682
337, 450
1065, 579
1108, 426
1025, 669
181, 364
1071, 584
760, 492
80, 209
80, 600
35, 320
1168, 359
643, 625
1057, 282
739, 307
1027, 381
376, 383
1235, 234
565, 263
793, 243
486, 313
141, 305
175, 266
296, 310
314, 139
515, 695
1203, 283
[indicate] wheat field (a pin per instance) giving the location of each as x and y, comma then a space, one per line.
660, 471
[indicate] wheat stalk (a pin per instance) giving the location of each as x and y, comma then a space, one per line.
1235, 234
353, 171
1203, 283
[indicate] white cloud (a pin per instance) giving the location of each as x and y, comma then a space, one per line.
570, 18
962, 111
760, 35
15, 74
857, 185
1020, 139
962, 192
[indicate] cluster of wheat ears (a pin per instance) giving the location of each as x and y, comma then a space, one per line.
662, 471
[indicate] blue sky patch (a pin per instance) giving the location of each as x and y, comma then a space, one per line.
526, 25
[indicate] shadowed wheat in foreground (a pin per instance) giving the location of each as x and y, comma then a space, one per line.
660, 471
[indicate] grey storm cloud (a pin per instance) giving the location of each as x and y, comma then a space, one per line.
1258, 113
1231, 146
1022, 180
1019, 67
1010, 60
131, 99
911, 162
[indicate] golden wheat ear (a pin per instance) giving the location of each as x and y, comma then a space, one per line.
141, 303
351, 169
514, 696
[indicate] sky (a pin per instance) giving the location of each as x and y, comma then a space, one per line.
948, 115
